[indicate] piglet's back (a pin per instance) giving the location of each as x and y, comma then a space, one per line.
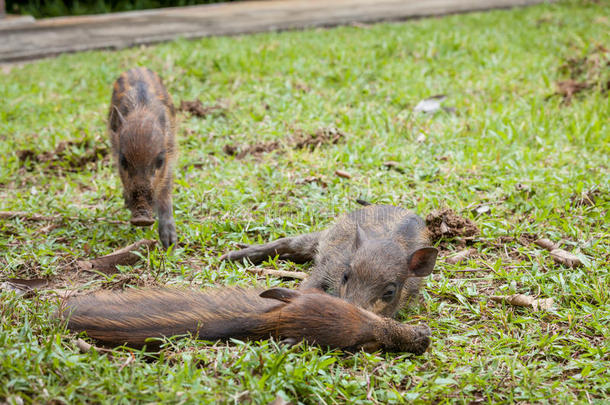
139, 88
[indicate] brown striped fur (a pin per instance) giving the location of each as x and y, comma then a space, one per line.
133, 316
374, 257
142, 128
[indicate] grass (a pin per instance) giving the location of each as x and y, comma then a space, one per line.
512, 144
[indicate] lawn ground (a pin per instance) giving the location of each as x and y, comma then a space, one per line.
520, 155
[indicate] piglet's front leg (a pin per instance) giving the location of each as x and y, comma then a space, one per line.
167, 226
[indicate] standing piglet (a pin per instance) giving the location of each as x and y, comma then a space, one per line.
142, 130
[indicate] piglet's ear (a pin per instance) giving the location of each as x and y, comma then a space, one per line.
422, 261
118, 114
360, 237
281, 294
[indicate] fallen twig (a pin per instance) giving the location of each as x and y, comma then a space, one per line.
85, 347
30, 216
465, 270
298, 275
128, 360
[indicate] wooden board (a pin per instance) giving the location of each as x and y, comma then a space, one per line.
53, 36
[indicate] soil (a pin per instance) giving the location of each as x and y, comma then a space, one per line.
568, 88
196, 108
589, 72
65, 153
255, 149
323, 136
300, 140
445, 223
587, 198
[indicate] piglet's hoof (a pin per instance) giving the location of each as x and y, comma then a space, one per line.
422, 339
142, 221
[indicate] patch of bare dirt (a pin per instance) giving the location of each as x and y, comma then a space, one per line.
322, 136
590, 72
67, 154
525, 239
588, 198
446, 223
300, 140
196, 108
528, 238
312, 179
255, 149
569, 88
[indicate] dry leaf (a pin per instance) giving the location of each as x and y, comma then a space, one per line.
34, 283
124, 256
430, 104
460, 256
521, 300
22, 286
343, 174
482, 209
563, 257
559, 255
312, 179
546, 244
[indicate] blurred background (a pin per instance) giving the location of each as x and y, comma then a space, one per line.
56, 8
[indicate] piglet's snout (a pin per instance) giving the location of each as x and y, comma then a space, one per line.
141, 212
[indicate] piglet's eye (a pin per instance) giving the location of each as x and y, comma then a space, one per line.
160, 161
345, 277
123, 161
389, 293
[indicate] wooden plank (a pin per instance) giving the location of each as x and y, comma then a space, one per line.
53, 36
